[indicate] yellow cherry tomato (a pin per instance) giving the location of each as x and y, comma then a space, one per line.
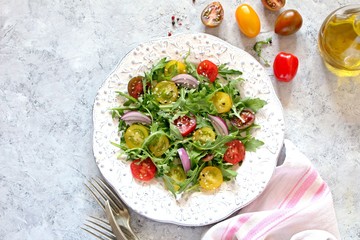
166, 92
174, 67
135, 135
210, 178
178, 174
248, 20
204, 134
159, 145
222, 102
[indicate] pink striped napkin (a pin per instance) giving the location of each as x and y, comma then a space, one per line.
296, 204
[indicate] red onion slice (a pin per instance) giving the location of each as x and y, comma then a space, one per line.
135, 117
185, 160
219, 125
186, 80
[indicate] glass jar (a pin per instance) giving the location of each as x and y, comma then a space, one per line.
339, 41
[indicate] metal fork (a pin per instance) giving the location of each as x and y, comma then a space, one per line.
102, 191
99, 228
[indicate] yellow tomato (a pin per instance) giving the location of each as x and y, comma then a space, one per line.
210, 178
159, 145
178, 174
166, 92
135, 135
248, 20
174, 67
222, 102
204, 134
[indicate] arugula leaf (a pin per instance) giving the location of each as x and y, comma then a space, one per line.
252, 144
193, 175
175, 133
199, 101
254, 103
218, 143
228, 174
170, 184
225, 72
258, 49
156, 70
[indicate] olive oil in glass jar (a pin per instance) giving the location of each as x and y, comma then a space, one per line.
339, 41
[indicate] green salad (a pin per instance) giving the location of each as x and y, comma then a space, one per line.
187, 124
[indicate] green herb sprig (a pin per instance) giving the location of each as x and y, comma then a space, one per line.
258, 46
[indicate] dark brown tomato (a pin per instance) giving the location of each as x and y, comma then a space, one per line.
273, 5
288, 22
246, 120
135, 87
212, 15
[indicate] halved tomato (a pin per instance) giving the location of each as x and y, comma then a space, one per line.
208, 69
135, 135
204, 134
166, 92
178, 174
143, 170
212, 15
185, 124
235, 152
210, 178
159, 145
174, 67
246, 120
135, 87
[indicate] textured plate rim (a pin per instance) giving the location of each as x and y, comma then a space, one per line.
111, 178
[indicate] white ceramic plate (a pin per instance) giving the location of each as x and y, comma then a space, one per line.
151, 199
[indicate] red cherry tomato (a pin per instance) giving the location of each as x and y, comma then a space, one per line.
235, 152
208, 69
185, 124
285, 66
135, 87
143, 170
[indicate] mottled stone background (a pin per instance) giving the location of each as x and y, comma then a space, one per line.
54, 55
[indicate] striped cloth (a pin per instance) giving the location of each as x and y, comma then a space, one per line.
296, 204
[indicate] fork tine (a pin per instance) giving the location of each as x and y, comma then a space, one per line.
104, 224
101, 194
102, 205
98, 230
101, 234
98, 237
112, 196
102, 191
